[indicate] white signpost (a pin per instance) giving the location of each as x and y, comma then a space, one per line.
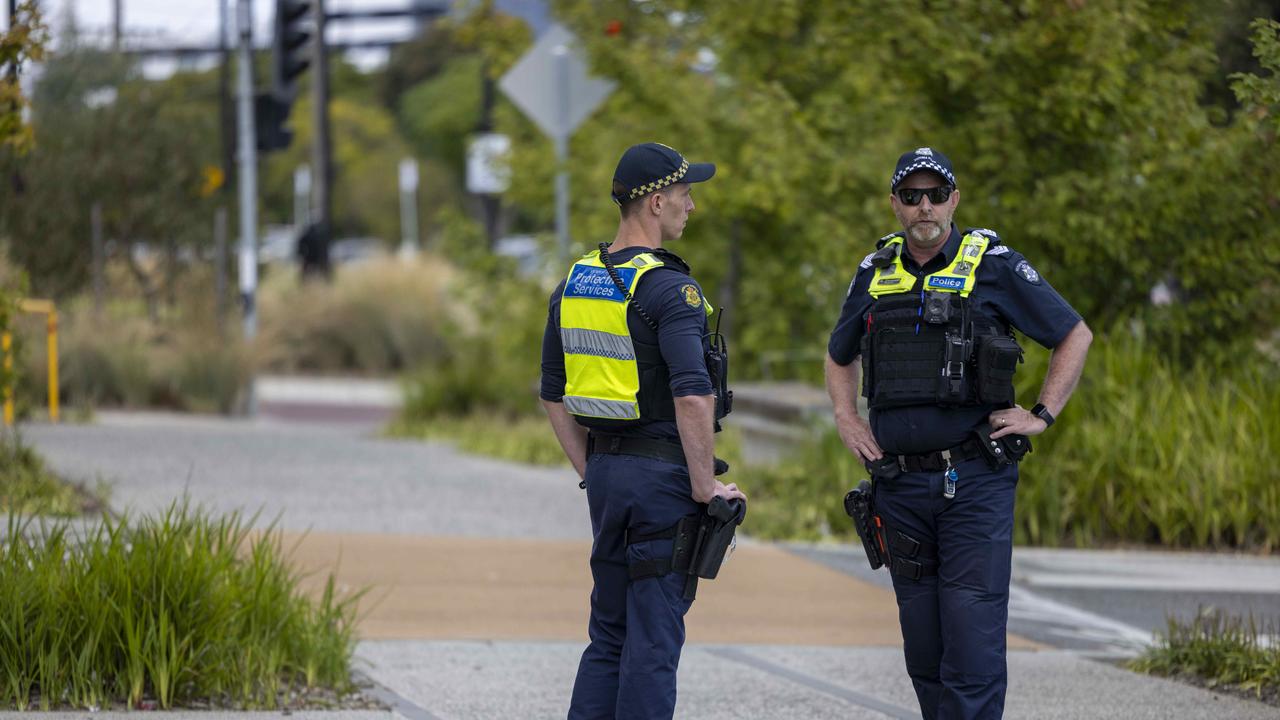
550, 84
488, 172
408, 208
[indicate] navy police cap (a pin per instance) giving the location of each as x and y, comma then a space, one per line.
649, 167
922, 159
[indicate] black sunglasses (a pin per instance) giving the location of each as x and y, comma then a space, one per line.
937, 195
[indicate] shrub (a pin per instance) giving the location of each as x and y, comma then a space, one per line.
176, 363
376, 317
179, 607
1218, 649
1147, 451
1150, 451
493, 341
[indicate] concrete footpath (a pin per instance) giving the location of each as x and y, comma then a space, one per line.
478, 580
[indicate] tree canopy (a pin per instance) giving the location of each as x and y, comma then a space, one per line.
1079, 131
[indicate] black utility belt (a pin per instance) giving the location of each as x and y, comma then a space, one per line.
997, 452
612, 444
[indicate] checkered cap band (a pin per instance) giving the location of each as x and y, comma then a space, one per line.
922, 164
661, 182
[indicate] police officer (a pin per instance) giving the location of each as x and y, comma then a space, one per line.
626, 386
930, 314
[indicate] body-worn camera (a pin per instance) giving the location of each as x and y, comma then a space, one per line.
937, 308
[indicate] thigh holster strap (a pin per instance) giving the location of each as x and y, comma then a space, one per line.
911, 558
683, 536
912, 569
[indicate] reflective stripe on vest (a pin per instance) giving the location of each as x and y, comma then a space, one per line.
958, 277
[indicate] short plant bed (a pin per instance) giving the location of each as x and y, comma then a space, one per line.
1227, 654
27, 486
176, 610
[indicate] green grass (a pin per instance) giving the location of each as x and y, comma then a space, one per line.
523, 438
1220, 651
176, 608
526, 439
27, 487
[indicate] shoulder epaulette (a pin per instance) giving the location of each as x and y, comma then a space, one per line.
880, 243
993, 239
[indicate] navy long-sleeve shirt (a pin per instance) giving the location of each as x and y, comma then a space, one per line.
1007, 288
682, 327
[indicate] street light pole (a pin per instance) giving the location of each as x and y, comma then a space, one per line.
321, 161
248, 181
561, 65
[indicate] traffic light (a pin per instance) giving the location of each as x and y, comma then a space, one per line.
270, 113
290, 57
291, 49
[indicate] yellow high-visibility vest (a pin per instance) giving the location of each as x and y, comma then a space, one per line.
602, 378
958, 277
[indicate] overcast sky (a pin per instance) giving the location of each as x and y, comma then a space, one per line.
151, 23
195, 22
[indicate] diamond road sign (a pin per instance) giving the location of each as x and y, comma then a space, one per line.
551, 85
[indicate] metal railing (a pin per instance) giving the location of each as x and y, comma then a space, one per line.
39, 307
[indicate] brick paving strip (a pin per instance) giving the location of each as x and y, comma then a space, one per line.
452, 588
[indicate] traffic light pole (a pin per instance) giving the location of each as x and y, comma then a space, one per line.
248, 181
321, 161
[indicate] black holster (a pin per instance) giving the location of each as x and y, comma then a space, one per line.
859, 503
699, 544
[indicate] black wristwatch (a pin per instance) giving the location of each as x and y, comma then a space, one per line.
1042, 412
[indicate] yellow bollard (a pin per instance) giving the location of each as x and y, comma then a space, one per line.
53, 365
6, 343
46, 308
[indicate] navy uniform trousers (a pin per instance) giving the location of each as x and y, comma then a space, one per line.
636, 628
953, 623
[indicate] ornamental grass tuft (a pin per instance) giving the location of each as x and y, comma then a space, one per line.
170, 610
1220, 650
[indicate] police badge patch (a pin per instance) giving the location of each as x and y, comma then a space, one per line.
1028, 273
691, 296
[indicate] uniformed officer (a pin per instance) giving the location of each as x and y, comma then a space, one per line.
623, 355
930, 314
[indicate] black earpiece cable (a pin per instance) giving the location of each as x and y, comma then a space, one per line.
617, 280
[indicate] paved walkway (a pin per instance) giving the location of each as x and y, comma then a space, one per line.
479, 582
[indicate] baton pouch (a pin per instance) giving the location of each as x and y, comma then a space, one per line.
860, 506
884, 469
1006, 450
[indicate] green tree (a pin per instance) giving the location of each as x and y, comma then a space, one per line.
136, 148
23, 41
1077, 129
367, 151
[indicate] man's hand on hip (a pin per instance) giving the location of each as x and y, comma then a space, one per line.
1016, 420
856, 434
